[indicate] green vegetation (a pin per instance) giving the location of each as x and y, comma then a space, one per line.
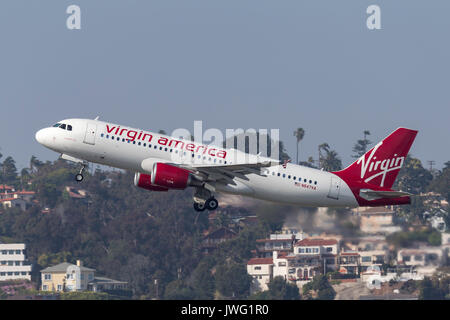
279, 289
319, 289
408, 238
128, 234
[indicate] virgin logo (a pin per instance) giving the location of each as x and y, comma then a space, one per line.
378, 167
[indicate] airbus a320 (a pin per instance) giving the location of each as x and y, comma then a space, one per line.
162, 163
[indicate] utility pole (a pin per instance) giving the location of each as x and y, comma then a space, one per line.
431, 163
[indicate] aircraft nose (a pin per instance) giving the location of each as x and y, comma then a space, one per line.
41, 136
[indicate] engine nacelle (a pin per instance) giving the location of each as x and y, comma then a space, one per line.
144, 181
171, 177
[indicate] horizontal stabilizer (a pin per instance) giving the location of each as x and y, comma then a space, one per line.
389, 194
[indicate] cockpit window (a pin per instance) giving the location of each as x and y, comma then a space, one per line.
56, 125
69, 127
63, 126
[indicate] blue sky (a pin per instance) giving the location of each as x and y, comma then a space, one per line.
233, 64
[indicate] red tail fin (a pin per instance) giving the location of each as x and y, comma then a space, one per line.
371, 176
381, 164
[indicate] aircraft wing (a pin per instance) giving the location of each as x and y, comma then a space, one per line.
226, 172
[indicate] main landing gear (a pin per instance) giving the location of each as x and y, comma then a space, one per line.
203, 199
210, 204
79, 176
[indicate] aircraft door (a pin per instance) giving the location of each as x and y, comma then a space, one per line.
89, 137
335, 187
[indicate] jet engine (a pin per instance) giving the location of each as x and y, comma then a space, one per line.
168, 176
144, 181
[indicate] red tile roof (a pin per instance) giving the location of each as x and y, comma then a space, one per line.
260, 261
316, 242
349, 254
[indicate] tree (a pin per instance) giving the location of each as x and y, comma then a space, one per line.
361, 146
331, 161
9, 170
324, 147
233, 280
279, 289
441, 183
413, 177
322, 288
299, 134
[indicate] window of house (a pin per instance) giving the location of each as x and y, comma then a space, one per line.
4, 252
407, 258
282, 264
257, 268
45, 287
59, 288
329, 249
47, 276
366, 259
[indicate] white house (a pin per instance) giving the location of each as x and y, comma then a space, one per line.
261, 269
13, 262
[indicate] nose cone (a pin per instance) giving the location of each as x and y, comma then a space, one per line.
41, 136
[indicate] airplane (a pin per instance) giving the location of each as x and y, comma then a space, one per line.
162, 163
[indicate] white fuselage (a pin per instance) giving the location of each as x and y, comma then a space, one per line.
136, 150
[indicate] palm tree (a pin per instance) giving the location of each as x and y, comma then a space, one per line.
299, 134
323, 147
331, 161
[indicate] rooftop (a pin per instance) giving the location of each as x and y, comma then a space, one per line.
316, 242
62, 267
254, 261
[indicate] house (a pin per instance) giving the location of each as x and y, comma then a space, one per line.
425, 259
76, 277
100, 284
66, 277
349, 262
377, 220
372, 250
297, 269
212, 238
261, 270
13, 262
8, 203
276, 242
10, 198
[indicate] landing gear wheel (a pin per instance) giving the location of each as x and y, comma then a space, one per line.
199, 206
212, 204
79, 176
